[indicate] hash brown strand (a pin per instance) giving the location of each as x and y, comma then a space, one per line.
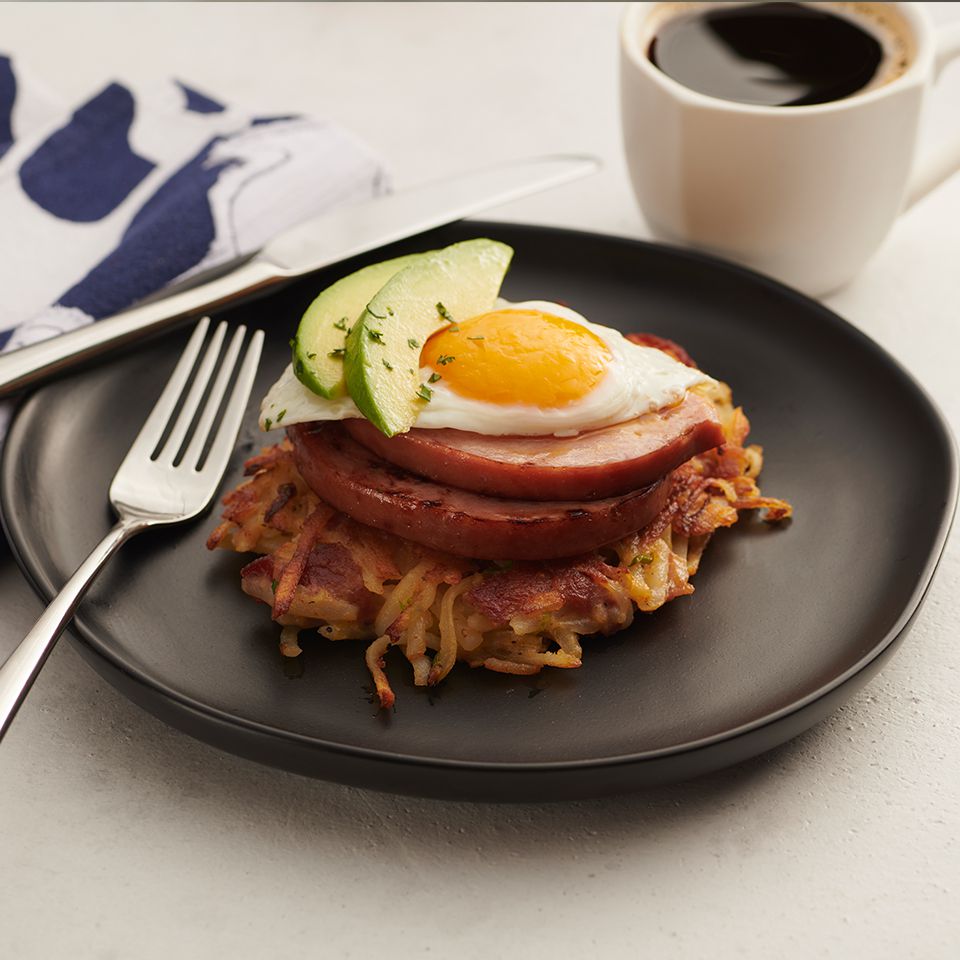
319, 569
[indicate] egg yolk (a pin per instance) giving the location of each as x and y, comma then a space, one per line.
518, 356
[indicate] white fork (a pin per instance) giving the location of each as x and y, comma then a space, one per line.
153, 486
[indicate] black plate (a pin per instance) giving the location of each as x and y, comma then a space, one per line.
785, 623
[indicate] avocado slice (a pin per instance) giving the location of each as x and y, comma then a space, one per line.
318, 344
382, 358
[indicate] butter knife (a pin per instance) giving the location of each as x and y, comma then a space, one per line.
316, 243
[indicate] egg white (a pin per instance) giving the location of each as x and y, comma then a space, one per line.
638, 380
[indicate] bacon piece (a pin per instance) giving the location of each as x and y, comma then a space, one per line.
662, 343
268, 508
285, 493
578, 586
330, 585
294, 570
267, 458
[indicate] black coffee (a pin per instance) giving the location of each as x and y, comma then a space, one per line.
775, 54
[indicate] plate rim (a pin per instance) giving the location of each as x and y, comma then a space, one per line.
19, 429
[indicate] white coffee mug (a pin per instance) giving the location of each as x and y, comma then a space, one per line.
803, 193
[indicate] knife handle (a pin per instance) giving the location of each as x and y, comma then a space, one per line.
29, 365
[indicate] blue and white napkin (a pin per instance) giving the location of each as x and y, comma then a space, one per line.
105, 201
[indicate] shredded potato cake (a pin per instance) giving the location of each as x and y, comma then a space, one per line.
320, 570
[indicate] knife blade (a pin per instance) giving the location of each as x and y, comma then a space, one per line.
316, 243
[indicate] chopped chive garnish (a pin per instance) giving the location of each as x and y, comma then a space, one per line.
644, 559
341, 324
375, 335
453, 329
390, 311
434, 377
379, 316
389, 366
444, 359
337, 352
444, 312
281, 414
273, 585
476, 338
267, 423
411, 370
424, 393
413, 343
311, 356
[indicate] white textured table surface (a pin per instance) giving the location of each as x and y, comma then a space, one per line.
120, 837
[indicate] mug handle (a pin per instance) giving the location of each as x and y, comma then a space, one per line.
942, 161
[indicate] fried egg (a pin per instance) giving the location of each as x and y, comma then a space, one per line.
532, 368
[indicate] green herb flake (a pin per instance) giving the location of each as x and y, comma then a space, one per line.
341, 324
338, 352
476, 338
424, 393
434, 377
444, 312
267, 423
390, 311
411, 371
644, 559
387, 364
379, 316
375, 335
413, 343
311, 356
273, 585
444, 359
281, 414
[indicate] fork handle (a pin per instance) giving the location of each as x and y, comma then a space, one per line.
22, 666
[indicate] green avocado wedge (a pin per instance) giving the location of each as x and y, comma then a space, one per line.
382, 361
318, 344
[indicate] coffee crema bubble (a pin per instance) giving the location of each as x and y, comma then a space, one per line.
780, 54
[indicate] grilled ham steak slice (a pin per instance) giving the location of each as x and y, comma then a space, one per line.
362, 485
600, 463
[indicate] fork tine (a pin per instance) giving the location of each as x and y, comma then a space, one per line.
192, 456
226, 435
200, 382
151, 432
